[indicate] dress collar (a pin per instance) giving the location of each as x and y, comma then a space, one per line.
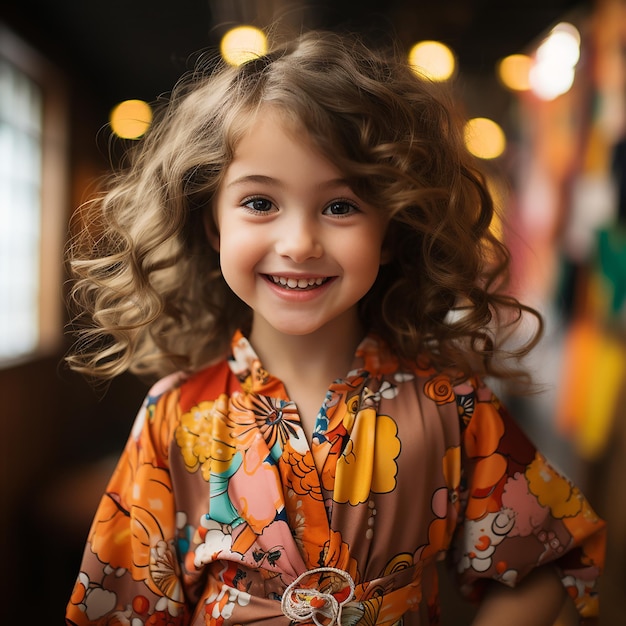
372, 358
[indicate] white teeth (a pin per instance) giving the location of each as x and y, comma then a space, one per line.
297, 283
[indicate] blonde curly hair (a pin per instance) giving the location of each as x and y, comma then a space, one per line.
147, 291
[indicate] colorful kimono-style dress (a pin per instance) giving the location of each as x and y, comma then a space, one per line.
221, 511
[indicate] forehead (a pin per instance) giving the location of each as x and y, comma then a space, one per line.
272, 141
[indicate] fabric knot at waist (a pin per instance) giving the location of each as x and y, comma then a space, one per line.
318, 595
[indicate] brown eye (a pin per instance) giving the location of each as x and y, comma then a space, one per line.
259, 205
340, 208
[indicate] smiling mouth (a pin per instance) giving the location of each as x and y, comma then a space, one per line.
301, 284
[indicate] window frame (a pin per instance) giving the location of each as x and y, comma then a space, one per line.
54, 194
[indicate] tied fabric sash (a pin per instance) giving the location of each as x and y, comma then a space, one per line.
327, 596
318, 593
307, 599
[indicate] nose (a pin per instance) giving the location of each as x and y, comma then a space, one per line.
299, 239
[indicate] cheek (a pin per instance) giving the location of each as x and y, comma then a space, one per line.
367, 253
238, 256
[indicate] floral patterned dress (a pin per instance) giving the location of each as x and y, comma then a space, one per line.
221, 512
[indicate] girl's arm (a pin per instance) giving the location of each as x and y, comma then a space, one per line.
520, 515
538, 601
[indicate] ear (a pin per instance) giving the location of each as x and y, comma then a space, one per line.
211, 230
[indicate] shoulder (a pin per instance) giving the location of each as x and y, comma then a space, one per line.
187, 389
167, 383
448, 387
178, 393
468, 397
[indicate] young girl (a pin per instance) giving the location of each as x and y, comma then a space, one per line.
300, 249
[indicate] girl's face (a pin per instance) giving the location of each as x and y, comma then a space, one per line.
295, 242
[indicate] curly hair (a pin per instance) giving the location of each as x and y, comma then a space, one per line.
147, 286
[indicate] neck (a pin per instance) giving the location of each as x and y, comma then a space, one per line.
321, 356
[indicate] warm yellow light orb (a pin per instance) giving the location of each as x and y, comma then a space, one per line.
242, 44
514, 72
432, 59
484, 138
130, 119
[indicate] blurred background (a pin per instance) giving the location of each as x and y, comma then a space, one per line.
542, 85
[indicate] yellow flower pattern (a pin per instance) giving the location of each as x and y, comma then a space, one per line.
368, 463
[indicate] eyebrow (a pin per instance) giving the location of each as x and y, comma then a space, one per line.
268, 180
253, 178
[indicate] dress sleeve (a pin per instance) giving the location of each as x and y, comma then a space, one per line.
129, 564
519, 513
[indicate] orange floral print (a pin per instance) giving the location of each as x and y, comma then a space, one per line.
219, 501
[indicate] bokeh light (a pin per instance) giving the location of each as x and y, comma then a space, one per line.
130, 119
514, 72
553, 71
484, 138
242, 44
432, 59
